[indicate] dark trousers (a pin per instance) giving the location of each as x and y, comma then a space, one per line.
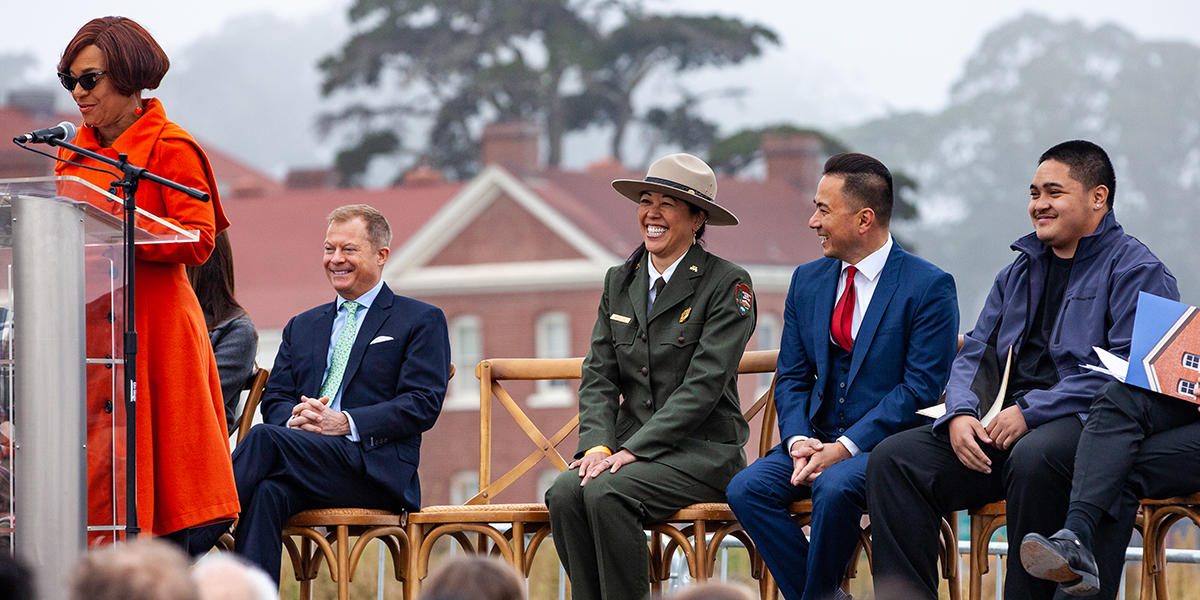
914, 477
1136, 444
597, 528
803, 569
280, 472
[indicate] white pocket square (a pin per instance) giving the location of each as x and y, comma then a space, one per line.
382, 338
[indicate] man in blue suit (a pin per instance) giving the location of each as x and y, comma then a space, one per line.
869, 334
355, 383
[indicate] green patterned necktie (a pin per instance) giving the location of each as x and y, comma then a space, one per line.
341, 352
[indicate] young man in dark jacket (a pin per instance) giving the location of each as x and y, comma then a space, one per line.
1073, 285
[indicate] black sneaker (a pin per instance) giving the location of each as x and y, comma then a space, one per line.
1061, 558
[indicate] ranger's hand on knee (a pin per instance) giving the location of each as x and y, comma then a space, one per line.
590, 465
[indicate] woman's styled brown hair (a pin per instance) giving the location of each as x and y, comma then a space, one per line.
133, 60
213, 283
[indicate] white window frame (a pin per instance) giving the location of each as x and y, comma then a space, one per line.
463, 486
1191, 361
552, 339
463, 392
1186, 387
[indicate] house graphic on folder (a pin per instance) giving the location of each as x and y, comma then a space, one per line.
1173, 364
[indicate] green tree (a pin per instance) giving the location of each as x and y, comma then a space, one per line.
733, 153
643, 45
453, 65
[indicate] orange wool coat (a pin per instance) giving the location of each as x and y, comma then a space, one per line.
184, 473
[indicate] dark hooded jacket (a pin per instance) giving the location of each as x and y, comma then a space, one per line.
1109, 270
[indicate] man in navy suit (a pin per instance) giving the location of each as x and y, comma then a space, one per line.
355, 383
869, 334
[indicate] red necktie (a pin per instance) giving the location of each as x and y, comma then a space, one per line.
843, 314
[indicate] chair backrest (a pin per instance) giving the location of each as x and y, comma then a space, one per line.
493, 372
257, 384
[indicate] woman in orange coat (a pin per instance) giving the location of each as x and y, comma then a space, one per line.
184, 473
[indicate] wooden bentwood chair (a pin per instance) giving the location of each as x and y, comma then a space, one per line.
324, 534
515, 531
255, 385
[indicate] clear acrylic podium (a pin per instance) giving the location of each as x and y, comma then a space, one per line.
61, 325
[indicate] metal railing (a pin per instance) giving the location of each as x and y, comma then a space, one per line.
679, 576
999, 550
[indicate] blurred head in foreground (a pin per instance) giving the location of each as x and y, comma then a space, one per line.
144, 569
474, 577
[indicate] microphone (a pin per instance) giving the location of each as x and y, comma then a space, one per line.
62, 131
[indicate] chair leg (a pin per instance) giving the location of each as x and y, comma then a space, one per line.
700, 547
852, 567
412, 584
518, 547
1161, 591
982, 528
343, 562
949, 556
1147, 587
658, 564
306, 550
767, 588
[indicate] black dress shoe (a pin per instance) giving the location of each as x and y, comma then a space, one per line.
1061, 558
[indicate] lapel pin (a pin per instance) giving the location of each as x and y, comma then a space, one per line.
687, 312
693, 269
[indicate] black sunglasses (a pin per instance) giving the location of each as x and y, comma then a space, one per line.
87, 80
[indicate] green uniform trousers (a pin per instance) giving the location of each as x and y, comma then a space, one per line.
598, 527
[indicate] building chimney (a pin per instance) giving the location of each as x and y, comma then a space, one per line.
422, 175
321, 177
512, 145
607, 166
794, 158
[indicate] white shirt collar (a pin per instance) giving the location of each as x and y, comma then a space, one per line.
872, 265
667, 272
365, 300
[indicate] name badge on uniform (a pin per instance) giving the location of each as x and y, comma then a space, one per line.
620, 318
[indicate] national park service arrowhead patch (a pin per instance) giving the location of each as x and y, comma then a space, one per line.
744, 298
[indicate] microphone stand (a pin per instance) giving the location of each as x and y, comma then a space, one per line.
128, 184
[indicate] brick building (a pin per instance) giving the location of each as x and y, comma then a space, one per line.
1173, 365
515, 257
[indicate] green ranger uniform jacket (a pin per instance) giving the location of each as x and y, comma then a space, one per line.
664, 385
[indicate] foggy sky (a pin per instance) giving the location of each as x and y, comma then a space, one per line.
897, 55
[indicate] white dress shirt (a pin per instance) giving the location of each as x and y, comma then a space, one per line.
339, 322
654, 275
865, 281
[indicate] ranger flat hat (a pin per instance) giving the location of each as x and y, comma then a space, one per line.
681, 176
